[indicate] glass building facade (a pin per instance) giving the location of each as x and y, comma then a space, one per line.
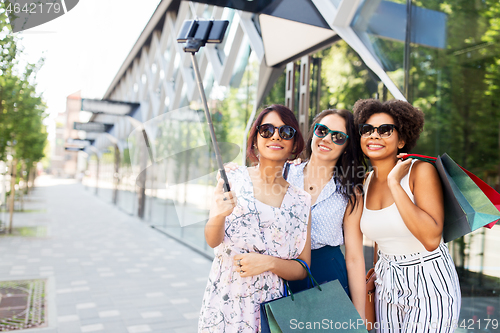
444, 56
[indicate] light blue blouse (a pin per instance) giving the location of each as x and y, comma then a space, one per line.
327, 213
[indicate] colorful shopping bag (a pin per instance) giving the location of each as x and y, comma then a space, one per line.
325, 307
469, 203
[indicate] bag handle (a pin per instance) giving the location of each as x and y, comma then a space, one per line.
288, 291
424, 158
375, 253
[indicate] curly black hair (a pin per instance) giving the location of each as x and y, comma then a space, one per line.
408, 119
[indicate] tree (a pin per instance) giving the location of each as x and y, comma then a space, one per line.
22, 133
345, 77
458, 87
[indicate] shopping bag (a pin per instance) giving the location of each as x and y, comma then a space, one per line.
492, 195
469, 203
321, 308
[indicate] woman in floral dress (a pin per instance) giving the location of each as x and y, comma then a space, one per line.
256, 229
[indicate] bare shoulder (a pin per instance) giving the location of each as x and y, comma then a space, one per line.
423, 173
423, 169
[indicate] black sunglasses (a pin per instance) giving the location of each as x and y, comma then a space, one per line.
286, 132
338, 137
384, 131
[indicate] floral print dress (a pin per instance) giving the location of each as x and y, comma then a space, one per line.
231, 303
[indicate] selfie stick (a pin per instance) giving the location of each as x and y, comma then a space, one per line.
196, 34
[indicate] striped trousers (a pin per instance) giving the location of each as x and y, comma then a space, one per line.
418, 292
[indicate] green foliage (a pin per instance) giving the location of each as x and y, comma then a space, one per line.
21, 109
277, 93
458, 87
8, 47
21, 117
345, 78
233, 111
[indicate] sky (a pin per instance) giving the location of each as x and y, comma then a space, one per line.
84, 48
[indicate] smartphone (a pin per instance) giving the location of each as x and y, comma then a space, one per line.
206, 31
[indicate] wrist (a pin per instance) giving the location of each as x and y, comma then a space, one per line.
270, 263
217, 220
393, 184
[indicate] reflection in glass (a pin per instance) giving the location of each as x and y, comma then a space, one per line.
381, 26
457, 88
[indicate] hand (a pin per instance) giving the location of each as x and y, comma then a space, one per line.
223, 202
296, 161
401, 155
398, 172
228, 167
251, 264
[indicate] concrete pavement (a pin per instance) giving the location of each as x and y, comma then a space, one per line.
107, 271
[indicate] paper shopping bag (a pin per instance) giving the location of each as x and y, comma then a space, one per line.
325, 307
467, 207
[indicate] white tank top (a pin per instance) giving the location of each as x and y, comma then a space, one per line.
386, 226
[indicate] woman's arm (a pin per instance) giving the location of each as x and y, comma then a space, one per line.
215, 227
255, 263
425, 217
354, 256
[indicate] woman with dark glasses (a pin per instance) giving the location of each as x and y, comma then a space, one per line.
417, 287
256, 229
332, 171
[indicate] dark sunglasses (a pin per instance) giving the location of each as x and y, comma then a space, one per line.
384, 131
286, 132
339, 138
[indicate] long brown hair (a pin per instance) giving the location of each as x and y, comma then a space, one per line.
351, 166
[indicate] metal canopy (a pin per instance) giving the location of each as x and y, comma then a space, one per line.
90, 136
92, 127
286, 40
302, 11
253, 6
105, 118
289, 28
117, 108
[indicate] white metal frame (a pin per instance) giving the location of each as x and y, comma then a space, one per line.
153, 80
160, 87
340, 20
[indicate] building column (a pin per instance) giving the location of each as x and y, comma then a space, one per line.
304, 93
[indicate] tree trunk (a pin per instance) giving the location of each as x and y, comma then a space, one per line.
12, 192
30, 179
21, 190
34, 170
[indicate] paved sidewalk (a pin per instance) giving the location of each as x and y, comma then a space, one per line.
107, 271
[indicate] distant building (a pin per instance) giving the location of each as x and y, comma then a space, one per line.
57, 156
64, 163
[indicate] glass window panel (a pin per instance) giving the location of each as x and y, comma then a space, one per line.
457, 87
241, 63
336, 3
228, 14
381, 26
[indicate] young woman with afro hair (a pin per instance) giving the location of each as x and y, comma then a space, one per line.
417, 288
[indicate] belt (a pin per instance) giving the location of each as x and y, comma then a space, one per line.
387, 280
391, 272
